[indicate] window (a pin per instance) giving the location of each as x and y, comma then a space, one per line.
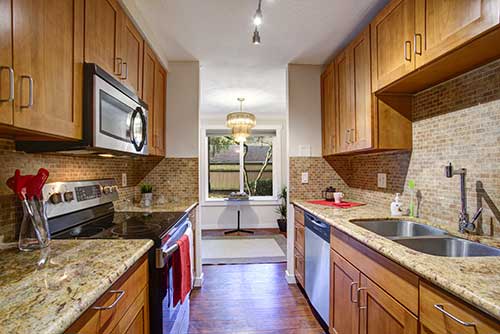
234, 167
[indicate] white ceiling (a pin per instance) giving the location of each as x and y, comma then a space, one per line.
218, 34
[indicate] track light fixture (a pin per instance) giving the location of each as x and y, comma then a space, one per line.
257, 18
256, 37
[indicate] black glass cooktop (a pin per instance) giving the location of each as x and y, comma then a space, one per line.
125, 225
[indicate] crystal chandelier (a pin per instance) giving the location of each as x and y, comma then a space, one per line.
241, 123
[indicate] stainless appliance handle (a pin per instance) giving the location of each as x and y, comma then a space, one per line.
30, 97
120, 293
162, 254
317, 224
440, 308
140, 145
11, 83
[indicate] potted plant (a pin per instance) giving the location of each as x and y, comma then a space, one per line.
147, 195
282, 209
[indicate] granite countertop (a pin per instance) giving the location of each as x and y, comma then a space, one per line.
475, 280
167, 207
76, 274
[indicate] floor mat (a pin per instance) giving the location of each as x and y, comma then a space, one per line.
243, 249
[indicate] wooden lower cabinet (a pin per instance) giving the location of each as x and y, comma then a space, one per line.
380, 313
129, 297
299, 237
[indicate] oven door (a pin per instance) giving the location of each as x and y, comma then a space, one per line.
120, 123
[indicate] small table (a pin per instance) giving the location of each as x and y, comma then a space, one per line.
237, 202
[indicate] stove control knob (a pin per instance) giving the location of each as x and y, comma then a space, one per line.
68, 196
114, 189
107, 190
56, 198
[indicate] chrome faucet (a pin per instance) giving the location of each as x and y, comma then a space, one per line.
464, 224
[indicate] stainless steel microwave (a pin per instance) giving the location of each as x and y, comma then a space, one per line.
115, 120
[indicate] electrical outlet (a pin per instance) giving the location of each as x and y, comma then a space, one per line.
124, 179
305, 177
382, 180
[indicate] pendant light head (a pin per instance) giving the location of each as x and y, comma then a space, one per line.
240, 123
257, 18
256, 37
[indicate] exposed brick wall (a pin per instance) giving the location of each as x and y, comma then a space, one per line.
176, 179
63, 168
321, 175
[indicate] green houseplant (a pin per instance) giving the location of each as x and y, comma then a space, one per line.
282, 209
147, 195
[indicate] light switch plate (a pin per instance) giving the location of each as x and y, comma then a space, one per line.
382, 180
305, 177
124, 179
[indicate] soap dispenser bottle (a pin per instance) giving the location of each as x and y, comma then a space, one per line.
396, 207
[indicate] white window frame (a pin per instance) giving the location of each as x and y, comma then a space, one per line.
258, 200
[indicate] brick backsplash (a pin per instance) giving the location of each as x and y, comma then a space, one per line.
176, 179
457, 121
63, 168
321, 175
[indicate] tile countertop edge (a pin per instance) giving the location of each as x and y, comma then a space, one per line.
58, 323
383, 246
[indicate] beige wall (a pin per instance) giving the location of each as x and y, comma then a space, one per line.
183, 85
304, 108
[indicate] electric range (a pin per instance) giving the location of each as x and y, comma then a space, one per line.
85, 210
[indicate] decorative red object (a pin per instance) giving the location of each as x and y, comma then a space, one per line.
341, 205
181, 265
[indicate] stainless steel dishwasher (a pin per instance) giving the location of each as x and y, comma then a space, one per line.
317, 258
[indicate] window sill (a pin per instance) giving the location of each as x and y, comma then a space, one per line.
266, 201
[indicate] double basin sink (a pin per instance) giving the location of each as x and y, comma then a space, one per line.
426, 239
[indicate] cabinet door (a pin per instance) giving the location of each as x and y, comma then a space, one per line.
382, 314
136, 319
361, 97
344, 105
6, 70
160, 109
148, 89
48, 61
444, 25
299, 237
299, 268
328, 115
103, 30
345, 282
392, 34
133, 45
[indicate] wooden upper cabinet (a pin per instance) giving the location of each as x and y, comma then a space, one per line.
148, 89
6, 69
392, 33
48, 65
361, 96
132, 53
103, 30
345, 282
344, 103
328, 114
441, 26
159, 109
380, 313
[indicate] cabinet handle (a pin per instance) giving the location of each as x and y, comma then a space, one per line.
358, 296
347, 136
120, 293
126, 71
353, 284
419, 36
30, 93
407, 58
352, 135
119, 64
11, 83
440, 308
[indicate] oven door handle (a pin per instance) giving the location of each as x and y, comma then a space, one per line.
164, 253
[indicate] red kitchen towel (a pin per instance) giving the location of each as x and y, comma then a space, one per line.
342, 205
181, 269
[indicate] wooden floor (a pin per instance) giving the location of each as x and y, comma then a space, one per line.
252, 298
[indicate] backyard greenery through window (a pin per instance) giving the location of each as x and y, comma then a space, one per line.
235, 167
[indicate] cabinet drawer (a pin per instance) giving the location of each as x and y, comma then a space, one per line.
397, 281
299, 238
299, 215
441, 321
130, 286
299, 268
